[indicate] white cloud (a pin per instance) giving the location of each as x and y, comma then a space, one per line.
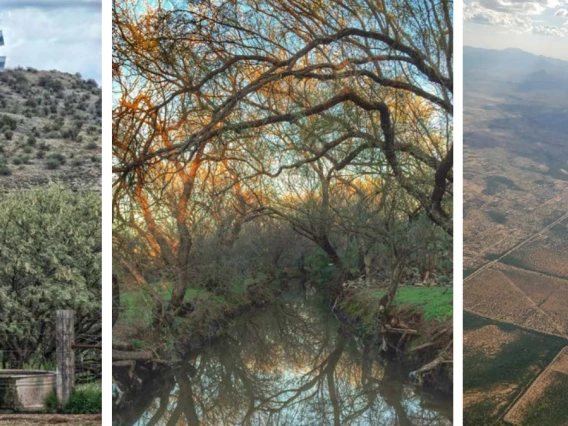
517, 16
477, 13
549, 30
53, 34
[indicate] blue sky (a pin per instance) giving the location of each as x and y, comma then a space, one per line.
53, 34
537, 26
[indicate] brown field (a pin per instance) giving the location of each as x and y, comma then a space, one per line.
529, 203
493, 294
499, 394
549, 293
489, 340
546, 254
556, 371
515, 254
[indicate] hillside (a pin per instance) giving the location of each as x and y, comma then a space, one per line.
50, 129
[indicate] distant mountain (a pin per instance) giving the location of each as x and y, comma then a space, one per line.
50, 129
499, 71
518, 102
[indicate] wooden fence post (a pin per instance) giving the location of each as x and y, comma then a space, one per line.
65, 337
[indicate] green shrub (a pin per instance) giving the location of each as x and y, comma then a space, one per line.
85, 399
5, 170
51, 259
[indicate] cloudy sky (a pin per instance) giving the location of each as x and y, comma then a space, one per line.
537, 26
53, 34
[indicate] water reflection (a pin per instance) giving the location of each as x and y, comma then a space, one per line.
292, 365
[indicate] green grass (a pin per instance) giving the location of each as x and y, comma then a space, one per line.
137, 306
85, 399
435, 302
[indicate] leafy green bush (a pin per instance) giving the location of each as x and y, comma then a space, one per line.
86, 399
50, 258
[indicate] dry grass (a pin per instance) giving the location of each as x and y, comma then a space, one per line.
493, 295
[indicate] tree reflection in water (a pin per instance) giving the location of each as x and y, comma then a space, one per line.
294, 364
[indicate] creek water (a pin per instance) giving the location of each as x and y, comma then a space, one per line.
293, 364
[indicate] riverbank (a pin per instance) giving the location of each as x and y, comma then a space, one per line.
418, 330
279, 362
418, 333
202, 317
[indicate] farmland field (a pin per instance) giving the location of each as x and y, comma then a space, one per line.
494, 295
501, 360
544, 402
546, 254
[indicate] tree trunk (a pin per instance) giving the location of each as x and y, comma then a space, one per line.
115, 300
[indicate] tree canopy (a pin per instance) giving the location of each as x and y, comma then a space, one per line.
331, 116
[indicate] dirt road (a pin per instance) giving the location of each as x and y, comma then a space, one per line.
50, 419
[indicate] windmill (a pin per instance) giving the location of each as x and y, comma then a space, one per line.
2, 58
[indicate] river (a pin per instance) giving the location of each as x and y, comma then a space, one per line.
292, 364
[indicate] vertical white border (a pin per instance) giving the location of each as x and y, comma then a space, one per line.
107, 210
458, 212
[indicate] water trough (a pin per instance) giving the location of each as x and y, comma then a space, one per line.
25, 390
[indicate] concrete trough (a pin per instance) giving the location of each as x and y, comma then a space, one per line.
25, 390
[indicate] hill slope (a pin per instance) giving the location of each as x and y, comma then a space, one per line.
50, 129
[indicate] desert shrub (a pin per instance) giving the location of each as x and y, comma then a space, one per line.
50, 252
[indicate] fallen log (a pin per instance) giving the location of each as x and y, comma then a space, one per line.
423, 346
132, 355
400, 330
416, 375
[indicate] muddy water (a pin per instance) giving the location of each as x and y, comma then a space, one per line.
294, 364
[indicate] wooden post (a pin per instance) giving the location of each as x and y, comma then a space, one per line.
65, 337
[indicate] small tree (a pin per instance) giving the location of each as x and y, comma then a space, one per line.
50, 257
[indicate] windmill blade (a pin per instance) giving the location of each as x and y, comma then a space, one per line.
2, 58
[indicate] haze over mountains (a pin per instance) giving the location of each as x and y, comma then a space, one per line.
522, 101
509, 70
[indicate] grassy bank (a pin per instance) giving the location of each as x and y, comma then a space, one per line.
425, 312
199, 319
434, 304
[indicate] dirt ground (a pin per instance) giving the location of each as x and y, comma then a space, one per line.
50, 419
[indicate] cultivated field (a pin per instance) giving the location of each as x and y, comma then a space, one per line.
537, 405
494, 295
546, 253
500, 361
